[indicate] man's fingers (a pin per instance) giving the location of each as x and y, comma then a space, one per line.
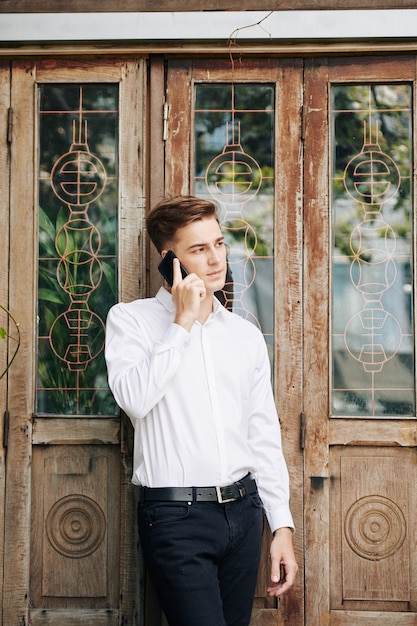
282, 579
277, 572
176, 272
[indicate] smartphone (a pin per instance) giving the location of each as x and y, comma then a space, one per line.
167, 270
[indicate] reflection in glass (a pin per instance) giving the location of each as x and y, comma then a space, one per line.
234, 166
372, 276
78, 165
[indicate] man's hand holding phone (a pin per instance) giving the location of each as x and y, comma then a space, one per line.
188, 290
166, 267
187, 294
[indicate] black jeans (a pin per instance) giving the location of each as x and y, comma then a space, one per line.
203, 558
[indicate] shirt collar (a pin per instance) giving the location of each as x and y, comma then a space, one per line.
164, 297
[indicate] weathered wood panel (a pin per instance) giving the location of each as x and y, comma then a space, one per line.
75, 527
72, 430
4, 288
288, 245
398, 433
178, 144
384, 68
132, 174
347, 618
21, 375
52, 70
61, 617
132, 276
373, 521
158, 128
57, 6
316, 314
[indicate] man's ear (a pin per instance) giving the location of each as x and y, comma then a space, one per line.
163, 253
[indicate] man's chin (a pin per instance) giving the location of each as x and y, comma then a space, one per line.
214, 288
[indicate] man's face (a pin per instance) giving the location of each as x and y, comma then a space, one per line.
200, 248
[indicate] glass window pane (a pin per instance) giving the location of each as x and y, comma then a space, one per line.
77, 266
234, 157
213, 97
372, 269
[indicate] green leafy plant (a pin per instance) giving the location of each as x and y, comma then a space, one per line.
60, 389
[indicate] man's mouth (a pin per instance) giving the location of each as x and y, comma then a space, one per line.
216, 274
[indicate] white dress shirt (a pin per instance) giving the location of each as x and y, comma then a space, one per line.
201, 403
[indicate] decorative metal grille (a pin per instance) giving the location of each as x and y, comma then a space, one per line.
77, 246
234, 166
372, 320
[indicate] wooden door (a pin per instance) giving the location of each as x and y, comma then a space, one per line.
76, 207
359, 337
233, 133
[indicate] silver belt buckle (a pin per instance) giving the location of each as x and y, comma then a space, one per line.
220, 497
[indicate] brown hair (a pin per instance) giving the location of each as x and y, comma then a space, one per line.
171, 214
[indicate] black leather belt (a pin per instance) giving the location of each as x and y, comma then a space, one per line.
230, 493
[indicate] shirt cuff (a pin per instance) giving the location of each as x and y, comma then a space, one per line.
279, 518
177, 337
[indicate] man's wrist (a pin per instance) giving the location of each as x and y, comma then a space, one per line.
282, 530
184, 322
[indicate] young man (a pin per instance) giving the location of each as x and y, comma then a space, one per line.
194, 379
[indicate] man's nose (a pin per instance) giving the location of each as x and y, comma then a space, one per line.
214, 256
